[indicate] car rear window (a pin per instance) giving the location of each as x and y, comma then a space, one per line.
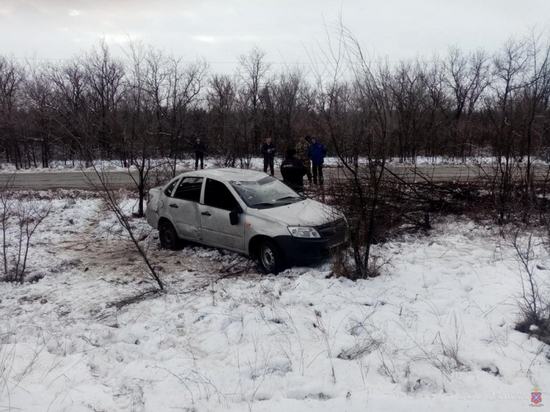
189, 189
170, 188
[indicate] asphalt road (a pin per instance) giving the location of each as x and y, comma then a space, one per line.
45, 180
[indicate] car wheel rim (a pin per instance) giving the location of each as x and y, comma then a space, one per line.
268, 258
168, 236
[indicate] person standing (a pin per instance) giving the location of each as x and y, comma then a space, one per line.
302, 153
199, 149
317, 153
293, 171
268, 149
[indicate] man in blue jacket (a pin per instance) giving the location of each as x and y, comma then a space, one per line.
317, 153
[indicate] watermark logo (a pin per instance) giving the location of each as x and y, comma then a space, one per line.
536, 397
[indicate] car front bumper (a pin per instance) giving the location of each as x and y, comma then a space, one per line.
298, 250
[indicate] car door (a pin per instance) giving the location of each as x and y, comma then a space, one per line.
217, 229
183, 207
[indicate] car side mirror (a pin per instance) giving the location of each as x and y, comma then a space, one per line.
234, 216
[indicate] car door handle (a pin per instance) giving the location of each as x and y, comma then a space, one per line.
206, 214
174, 205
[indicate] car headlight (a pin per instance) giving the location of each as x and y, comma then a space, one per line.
304, 232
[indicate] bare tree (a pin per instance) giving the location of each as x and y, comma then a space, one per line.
104, 76
11, 80
409, 96
139, 128
371, 98
223, 130
39, 95
285, 91
70, 107
252, 74
183, 87
537, 92
510, 73
467, 76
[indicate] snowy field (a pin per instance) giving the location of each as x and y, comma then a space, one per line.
257, 163
434, 332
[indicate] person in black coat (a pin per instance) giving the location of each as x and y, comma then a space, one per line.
293, 171
268, 150
199, 149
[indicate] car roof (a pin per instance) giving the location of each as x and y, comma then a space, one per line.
228, 174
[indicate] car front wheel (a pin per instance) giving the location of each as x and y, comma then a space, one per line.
168, 237
271, 258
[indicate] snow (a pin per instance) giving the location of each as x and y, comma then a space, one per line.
257, 163
435, 330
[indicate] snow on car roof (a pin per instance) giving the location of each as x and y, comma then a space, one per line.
229, 174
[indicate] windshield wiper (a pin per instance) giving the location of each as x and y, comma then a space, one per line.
262, 204
288, 198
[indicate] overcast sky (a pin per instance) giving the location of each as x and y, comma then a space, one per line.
221, 30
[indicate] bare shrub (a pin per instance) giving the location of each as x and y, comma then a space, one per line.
344, 264
19, 221
106, 191
162, 173
534, 305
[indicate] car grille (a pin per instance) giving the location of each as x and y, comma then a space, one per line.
338, 227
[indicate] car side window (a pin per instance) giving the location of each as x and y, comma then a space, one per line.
189, 189
218, 195
170, 188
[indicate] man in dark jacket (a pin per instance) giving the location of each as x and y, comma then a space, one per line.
199, 149
317, 153
268, 150
293, 171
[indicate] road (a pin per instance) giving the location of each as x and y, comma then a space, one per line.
122, 179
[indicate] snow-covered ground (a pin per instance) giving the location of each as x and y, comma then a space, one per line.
435, 330
257, 163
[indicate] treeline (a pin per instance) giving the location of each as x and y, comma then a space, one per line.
152, 104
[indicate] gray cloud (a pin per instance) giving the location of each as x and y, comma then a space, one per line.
222, 30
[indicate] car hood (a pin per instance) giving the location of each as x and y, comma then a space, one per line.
308, 212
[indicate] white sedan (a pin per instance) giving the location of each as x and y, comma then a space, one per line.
248, 212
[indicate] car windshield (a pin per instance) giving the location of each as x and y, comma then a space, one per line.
265, 193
